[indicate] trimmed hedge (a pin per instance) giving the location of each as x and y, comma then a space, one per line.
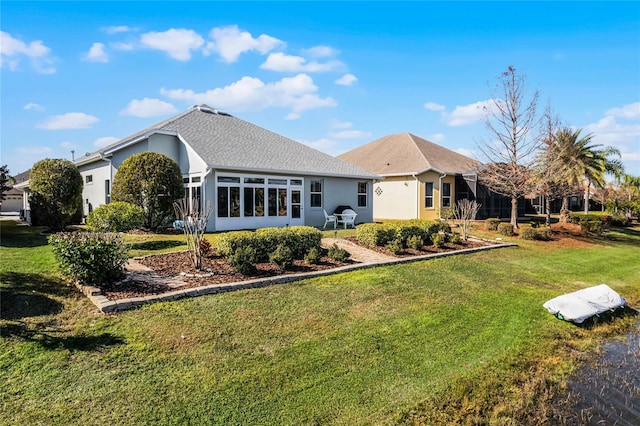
265, 241
505, 229
491, 224
90, 257
376, 234
117, 216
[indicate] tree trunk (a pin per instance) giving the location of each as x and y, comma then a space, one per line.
586, 196
547, 210
514, 212
564, 210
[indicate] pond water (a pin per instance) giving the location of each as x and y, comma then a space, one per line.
607, 391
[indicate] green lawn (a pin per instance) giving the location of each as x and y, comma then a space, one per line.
461, 338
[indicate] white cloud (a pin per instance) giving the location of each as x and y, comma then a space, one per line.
12, 50
115, 29
104, 141
34, 150
432, 106
97, 53
72, 120
328, 146
346, 80
229, 42
350, 134
289, 63
467, 152
337, 124
148, 108
33, 107
121, 46
67, 145
436, 137
629, 111
320, 52
292, 116
177, 43
250, 93
469, 114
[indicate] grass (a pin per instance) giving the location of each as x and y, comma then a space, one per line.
451, 340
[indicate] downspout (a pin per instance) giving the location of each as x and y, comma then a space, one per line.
417, 195
442, 175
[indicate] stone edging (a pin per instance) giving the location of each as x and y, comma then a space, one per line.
108, 306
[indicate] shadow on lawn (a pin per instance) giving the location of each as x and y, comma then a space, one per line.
16, 235
28, 295
155, 245
52, 342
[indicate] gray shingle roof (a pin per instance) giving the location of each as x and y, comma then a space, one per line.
404, 153
227, 142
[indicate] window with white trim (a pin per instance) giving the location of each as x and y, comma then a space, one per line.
428, 195
88, 179
446, 195
316, 193
362, 194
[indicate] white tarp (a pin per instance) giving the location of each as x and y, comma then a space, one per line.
583, 304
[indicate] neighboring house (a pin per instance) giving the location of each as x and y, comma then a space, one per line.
15, 198
252, 177
421, 179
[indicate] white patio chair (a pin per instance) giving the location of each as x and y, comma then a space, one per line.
329, 218
348, 218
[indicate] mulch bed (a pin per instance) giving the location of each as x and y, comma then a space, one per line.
409, 252
215, 270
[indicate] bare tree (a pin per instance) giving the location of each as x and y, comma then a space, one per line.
513, 125
464, 212
194, 223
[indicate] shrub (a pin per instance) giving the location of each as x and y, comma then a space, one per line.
395, 246
454, 238
437, 239
415, 242
282, 257
56, 193
544, 234
338, 254
243, 260
115, 217
90, 257
313, 256
230, 242
591, 226
205, 248
528, 233
374, 234
491, 224
505, 229
619, 221
151, 181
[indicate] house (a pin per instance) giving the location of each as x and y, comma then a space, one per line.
251, 177
421, 179
14, 197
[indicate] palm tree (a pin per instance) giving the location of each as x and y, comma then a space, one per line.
582, 162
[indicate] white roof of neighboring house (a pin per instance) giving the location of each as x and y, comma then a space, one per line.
406, 154
227, 142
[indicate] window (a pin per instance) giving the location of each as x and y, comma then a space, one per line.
446, 195
428, 195
228, 201
316, 193
362, 194
107, 191
88, 179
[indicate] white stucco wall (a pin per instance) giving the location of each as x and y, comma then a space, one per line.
94, 193
395, 198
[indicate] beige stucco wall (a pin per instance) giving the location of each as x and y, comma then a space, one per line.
434, 212
395, 198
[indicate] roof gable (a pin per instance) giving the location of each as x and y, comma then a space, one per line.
405, 153
227, 142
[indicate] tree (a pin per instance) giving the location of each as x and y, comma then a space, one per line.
465, 211
152, 181
56, 193
584, 163
512, 123
194, 223
5, 179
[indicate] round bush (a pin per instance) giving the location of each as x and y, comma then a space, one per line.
491, 224
116, 217
528, 233
505, 229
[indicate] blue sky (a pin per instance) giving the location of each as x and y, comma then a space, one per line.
333, 75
